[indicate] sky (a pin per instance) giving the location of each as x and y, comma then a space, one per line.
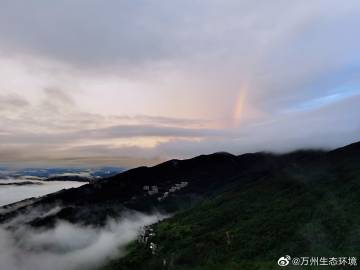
130, 83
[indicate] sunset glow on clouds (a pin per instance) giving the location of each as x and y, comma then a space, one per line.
125, 83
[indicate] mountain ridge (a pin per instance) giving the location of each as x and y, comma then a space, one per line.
204, 173
302, 204
218, 199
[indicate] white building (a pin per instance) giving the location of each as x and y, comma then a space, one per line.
154, 190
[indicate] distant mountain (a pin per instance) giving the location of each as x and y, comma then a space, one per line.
23, 183
229, 212
77, 178
62, 174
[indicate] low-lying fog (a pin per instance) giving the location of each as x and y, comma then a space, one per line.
69, 246
66, 246
14, 193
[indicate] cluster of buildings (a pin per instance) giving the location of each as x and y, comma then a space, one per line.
147, 234
153, 190
178, 186
173, 189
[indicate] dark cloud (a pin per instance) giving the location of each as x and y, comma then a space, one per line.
54, 96
123, 131
12, 102
134, 33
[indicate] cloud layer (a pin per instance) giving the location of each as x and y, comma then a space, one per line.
69, 246
12, 193
135, 83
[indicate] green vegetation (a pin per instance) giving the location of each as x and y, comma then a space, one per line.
300, 208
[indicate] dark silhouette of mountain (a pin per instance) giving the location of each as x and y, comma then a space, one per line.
304, 203
24, 183
231, 212
76, 178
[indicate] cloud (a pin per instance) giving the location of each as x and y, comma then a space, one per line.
11, 194
127, 145
69, 246
156, 77
324, 127
12, 102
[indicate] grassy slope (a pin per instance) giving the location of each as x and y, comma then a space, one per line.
300, 209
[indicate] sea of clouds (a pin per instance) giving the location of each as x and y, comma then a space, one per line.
13, 193
69, 246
